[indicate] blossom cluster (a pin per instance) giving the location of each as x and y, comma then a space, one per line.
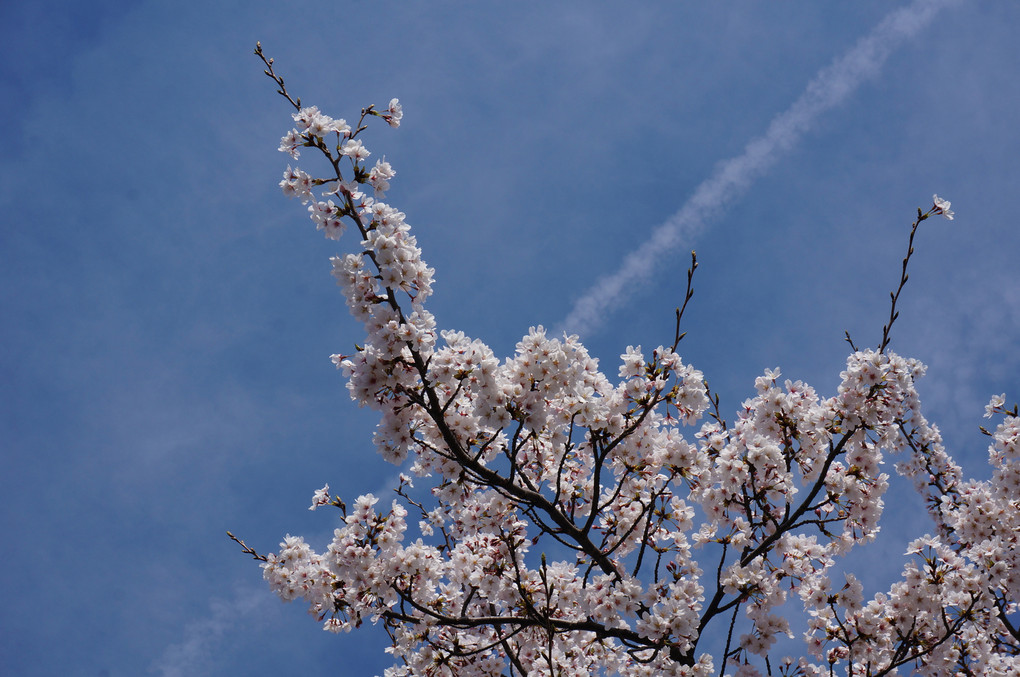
558, 531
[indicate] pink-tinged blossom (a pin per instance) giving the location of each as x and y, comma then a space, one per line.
355, 150
320, 498
995, 404
306, 117
379, 177
339, 127
394, 113
297, 183
328, 218
291, 142
942, 207
564, 510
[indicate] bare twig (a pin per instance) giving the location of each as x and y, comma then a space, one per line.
247, 549
677, 337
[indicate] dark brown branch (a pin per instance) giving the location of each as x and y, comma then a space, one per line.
276, 78
895, 296
247, 550
677, 336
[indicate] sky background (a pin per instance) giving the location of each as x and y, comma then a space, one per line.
167, 316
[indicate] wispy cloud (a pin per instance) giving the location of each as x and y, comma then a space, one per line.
731, 179
196, 653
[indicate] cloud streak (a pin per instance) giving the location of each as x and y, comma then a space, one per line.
203, 640
731, 179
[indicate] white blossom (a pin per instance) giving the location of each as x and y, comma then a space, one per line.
564, 509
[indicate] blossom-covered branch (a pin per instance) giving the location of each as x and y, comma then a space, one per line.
557, 531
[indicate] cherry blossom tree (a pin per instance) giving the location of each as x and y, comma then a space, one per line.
574, 524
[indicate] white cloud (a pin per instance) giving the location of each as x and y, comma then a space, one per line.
731, 178
195, 654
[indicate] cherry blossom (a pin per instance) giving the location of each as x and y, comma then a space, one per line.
567, 524
942, 207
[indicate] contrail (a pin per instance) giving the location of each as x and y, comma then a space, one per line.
732, 178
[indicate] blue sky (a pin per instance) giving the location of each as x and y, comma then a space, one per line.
166, 315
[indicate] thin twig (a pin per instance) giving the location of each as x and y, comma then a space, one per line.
677, 337
895, 296
247, 550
